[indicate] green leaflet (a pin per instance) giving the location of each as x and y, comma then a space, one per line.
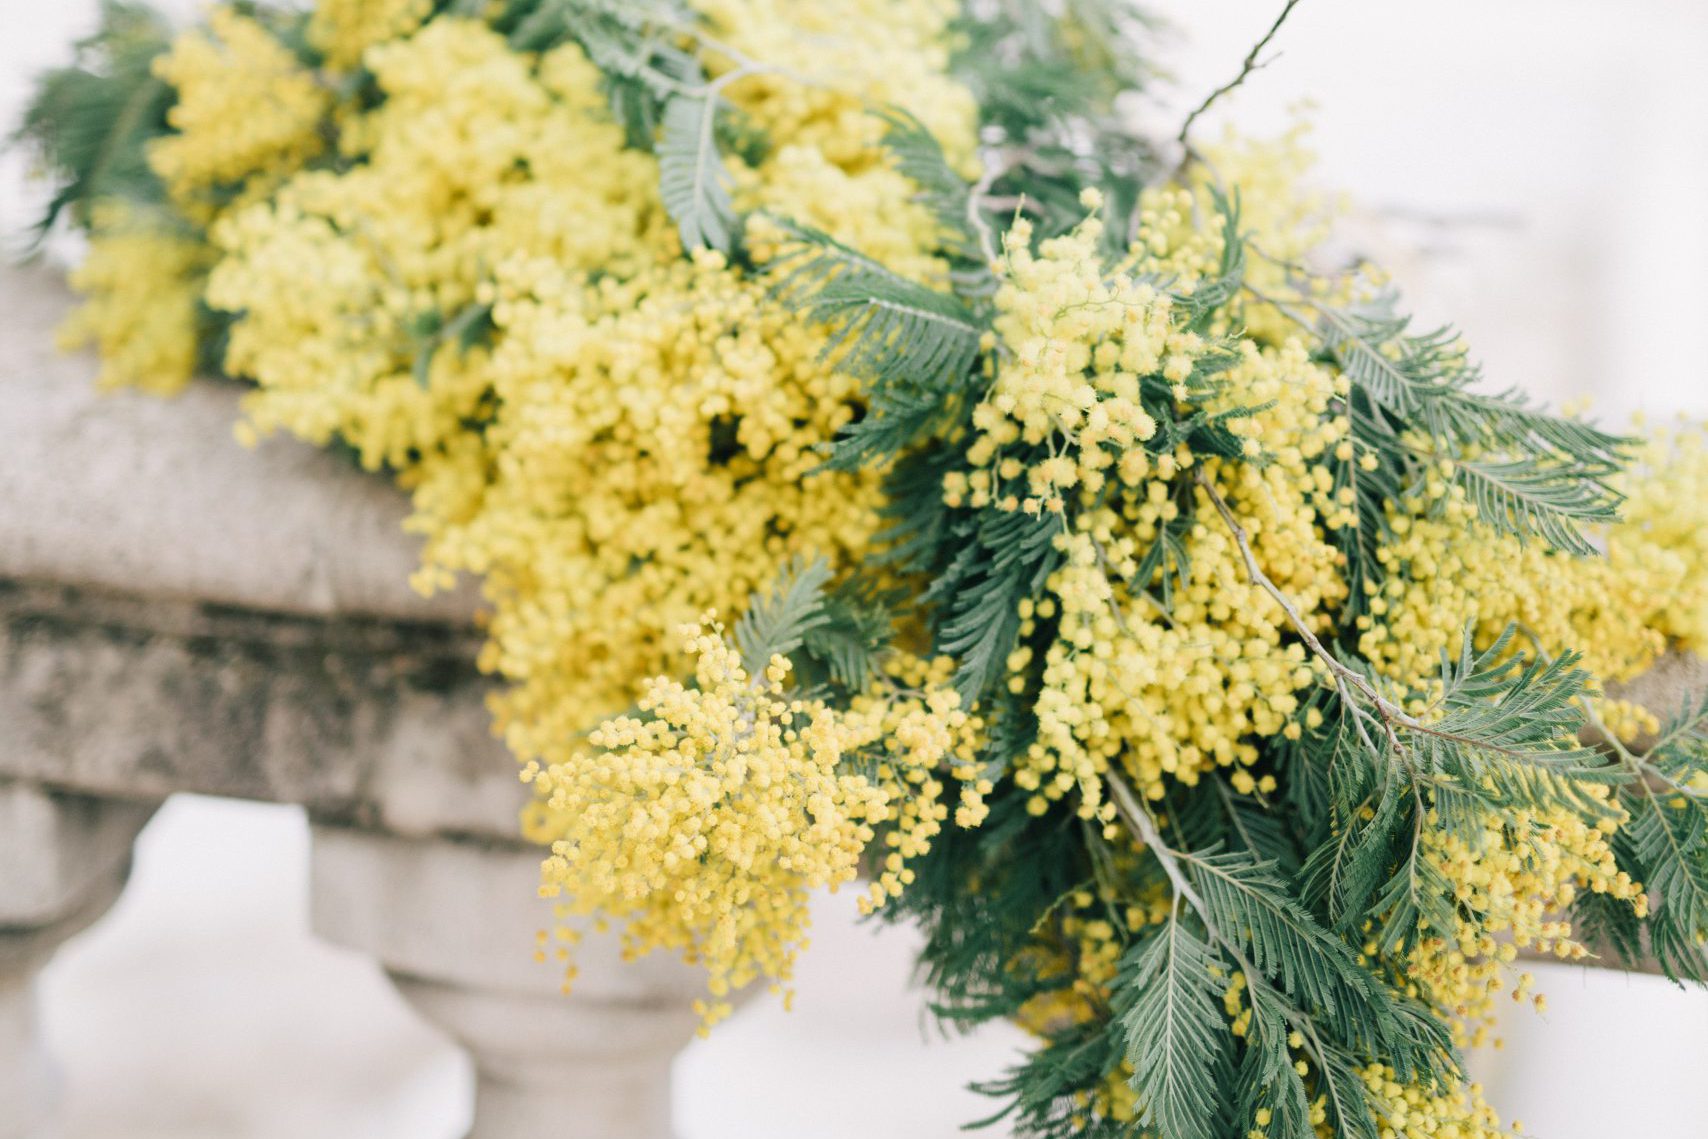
1176, 1037
777, 621
691, 174
91, 122
1529, 474
658, 91
913, 346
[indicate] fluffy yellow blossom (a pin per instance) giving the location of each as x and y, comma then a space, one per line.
465, 272
824, 65
1619, 610
1511, 884
489, 298
341, 30
1167, 691
729, 802
1418, 1111
1132, 682
245, 107
144, 284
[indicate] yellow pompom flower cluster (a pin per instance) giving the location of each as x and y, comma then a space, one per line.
655, 442
1131, 683
1417, 1111
341, 30
1511, 884
469, 276
1080, 345
1620, 610
144, 282
647, 435
489, 297
1664, 529
245, 106
1170, 692
703, 823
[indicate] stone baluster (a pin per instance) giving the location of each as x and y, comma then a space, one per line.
63, 862
454, 925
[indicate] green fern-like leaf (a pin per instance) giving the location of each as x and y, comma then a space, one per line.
920, 158
857, 627
91, 122
1176, 1038
1003, 558
1530, 474
1248, 901
1267, 1077
777, 622
692, 179
1507, 734
1670, 838
913, 347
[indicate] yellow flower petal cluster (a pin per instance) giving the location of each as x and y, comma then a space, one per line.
1164, 693
144, 282
341, 30
1080, 346
647, 424
826, 63
1662, 536
489, 297
1416, 1111
245, 107
654, 444
703, 823
1511, 884
1619, 611
471, 279
1131, 683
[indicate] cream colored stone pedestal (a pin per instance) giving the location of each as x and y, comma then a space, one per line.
63, 862
454, 923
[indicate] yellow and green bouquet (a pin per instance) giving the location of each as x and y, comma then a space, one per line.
881, 460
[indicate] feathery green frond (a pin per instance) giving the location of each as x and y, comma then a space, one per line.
1669, 837
885, 327
1176, 1038
856, 629
1046, 1091
1004, 559
776, 623
1346, 1100
920, 159
913, 347
1507, 733
692, 179
1530, 474
1249, 902
90, 123
1267, 1078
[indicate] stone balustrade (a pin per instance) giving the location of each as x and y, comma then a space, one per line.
178, 613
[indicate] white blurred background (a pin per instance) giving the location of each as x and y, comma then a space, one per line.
1535, 171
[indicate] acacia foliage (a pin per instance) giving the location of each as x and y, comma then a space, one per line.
1285, 891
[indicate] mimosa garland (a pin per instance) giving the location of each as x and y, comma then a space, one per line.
951, 489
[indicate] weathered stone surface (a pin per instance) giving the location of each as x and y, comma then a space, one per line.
454, 923
155, 497
378, 722
63, 861
55, 853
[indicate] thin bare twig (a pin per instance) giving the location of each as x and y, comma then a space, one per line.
1250, 65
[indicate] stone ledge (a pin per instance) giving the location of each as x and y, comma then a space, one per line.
365, 722
155, 497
